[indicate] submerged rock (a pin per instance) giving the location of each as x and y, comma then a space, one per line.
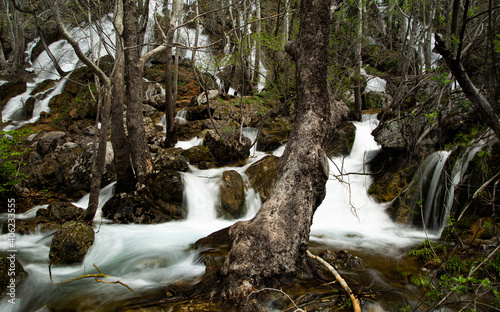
71, 243
232, 196
343, 260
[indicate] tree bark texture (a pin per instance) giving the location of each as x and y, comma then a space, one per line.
134, 69
125, 180
274, 242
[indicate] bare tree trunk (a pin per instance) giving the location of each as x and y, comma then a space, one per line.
274, 242
100, 160
125, 179
170, 140
134, 69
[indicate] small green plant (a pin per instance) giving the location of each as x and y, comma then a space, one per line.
12, 151
431, 117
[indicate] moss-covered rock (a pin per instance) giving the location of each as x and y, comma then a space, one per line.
199, 156
232, 196
71, 243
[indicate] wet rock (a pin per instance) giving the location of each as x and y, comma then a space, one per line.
9, 266
232, 196
148, 110
228, 149
11, 89
160, 201
343, 260
29, 106
274, 134
126, 208
61, 212
340, 144
262, 175
71, 243
170, 159
49, 142
166, 186
44, 86
199, 156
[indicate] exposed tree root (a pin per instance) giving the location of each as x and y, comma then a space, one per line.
340, 280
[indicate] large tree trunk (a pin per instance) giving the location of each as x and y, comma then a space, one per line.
274, 242
134, 69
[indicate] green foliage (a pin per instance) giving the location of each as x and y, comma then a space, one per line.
12, 151
497, 44
428, 251
431, 117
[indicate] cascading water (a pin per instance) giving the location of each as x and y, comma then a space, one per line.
433, 196
348, 217
43, 69
151, 256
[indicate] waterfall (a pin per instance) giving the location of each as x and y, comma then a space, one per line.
348, 216
44, 69
433, 187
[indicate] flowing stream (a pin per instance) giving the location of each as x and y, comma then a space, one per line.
151, 256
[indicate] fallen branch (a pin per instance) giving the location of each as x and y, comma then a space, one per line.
96, 276
340, 280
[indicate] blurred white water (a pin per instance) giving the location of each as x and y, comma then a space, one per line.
151, 256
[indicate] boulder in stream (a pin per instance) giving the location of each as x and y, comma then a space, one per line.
227, 149
232, 196
71, 243
262, 175
160, 201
